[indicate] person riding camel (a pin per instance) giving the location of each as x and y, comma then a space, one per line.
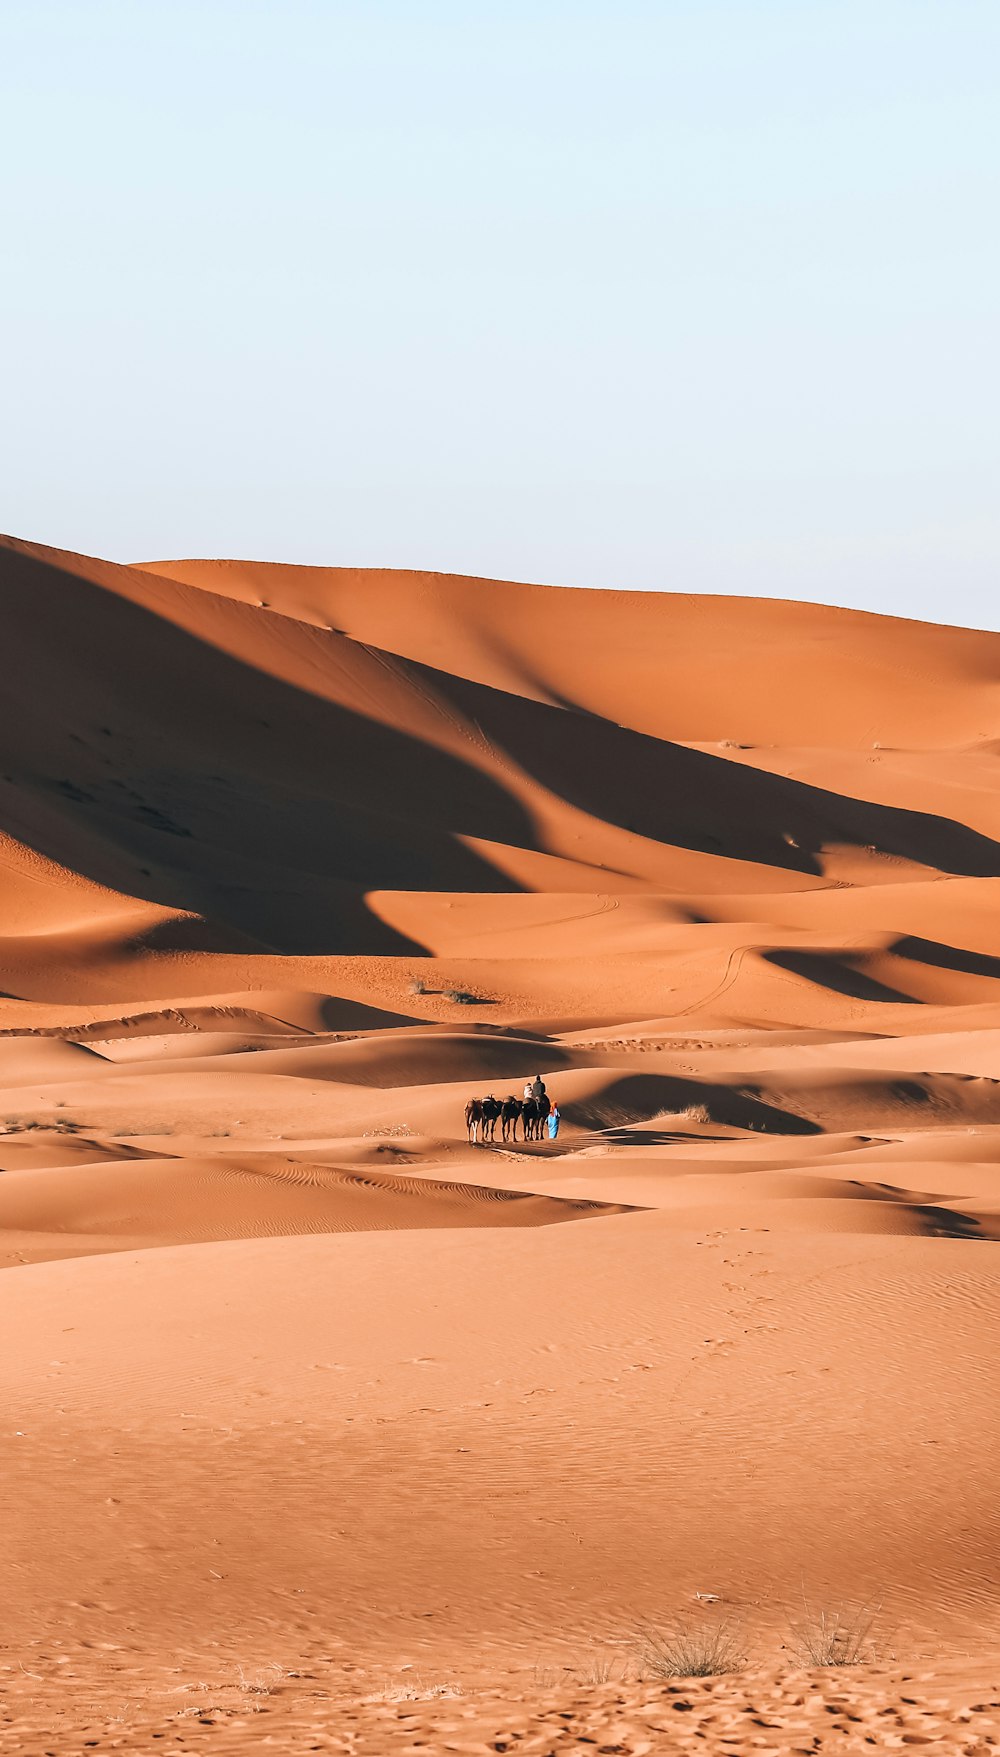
538, 1087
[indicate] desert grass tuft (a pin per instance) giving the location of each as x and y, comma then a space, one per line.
688, 1651
416, 1691
834, 1636
20, 1125
696, 1113
600, 1670
263, 1682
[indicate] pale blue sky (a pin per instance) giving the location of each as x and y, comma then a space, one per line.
695, 295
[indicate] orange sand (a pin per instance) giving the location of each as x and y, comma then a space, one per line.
299, 1386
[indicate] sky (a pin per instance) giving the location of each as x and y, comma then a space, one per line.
686, 295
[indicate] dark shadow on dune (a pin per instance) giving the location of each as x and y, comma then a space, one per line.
853, 1100
910, 1091
836, 974
643, 1137
951, 1223
648, 1097
190, 933
944, 957
167, 769
348, 1015
691, 799
431, 1059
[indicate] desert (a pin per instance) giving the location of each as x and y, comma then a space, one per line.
327, 1428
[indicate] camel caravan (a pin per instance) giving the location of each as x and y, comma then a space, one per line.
535, 1112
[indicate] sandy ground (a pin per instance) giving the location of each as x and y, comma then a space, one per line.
323, 1428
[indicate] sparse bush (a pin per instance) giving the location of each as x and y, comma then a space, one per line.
261, 1683
461, 999
415, 1691
418, 986
546, 1677
834, 1636
688, 1651
22, 1125
600, 1670
697, 1113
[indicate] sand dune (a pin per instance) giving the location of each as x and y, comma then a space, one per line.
677, 667
27, 1061
293, 862
143, 1202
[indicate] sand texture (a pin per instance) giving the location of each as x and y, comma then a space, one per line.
325, 1428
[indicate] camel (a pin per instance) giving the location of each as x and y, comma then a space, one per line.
533, 1114
492, 1111
509, 1118
481, 1117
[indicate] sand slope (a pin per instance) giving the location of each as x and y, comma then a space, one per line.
292, 862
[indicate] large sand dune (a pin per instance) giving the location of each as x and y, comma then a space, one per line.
292, 862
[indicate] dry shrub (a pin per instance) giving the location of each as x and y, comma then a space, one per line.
697, 1113
547, 1677
833, 1636
600, 1670
262, 1682
417, 1691
688, 1651
20, 1125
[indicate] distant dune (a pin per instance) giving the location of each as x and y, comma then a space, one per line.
293, 862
